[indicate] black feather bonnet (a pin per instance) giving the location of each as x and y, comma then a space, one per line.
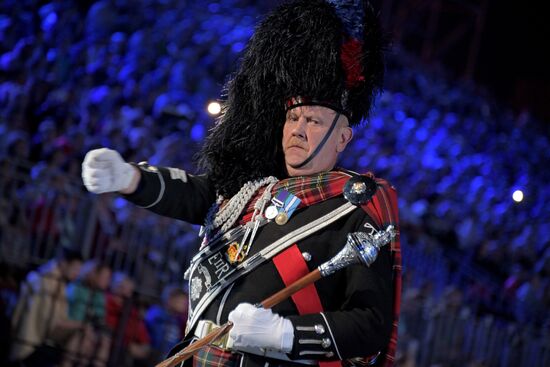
325, 52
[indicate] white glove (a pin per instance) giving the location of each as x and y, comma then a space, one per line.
104, 170
260, 328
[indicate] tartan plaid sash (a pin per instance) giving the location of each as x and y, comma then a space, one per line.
383, 210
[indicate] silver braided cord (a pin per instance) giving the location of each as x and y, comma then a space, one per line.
255, 221
228, 215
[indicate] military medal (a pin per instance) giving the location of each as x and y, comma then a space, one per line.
281, 218
283, 206
271, 212
359, 189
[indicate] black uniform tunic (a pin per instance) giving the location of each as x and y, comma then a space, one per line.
357, 301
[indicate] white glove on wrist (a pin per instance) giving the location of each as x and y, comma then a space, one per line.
104, 170
260, 328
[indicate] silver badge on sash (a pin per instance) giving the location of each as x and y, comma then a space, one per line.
195, 288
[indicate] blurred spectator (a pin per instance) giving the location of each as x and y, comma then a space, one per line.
87, 294
166, 322
530, 309
8, 301
130, 338
41, 322
87, 304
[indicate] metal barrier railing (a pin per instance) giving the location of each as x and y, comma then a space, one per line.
39, 215
457, 337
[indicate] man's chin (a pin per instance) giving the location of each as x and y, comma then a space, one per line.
293, 172
295, 156
294, 162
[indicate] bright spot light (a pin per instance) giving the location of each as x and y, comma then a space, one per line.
517, 196
214, 108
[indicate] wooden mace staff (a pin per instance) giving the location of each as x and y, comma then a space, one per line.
360, 248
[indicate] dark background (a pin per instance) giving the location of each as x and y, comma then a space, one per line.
512, 59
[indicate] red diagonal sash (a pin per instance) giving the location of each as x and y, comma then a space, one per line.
291, 266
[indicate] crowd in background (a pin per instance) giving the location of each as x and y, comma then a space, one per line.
79, 75
70, 313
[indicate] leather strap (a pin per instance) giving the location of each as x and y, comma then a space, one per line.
321, 144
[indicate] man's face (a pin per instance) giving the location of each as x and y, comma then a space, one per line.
102, 278
126, 288
178, 304
71, 269
304, 129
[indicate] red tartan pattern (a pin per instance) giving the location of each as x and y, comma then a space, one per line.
309, 189
383, 210
215, 357
314, 189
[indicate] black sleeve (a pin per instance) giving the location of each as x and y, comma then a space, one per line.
174, 193
362, 326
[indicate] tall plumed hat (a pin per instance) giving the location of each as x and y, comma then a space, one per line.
318, 52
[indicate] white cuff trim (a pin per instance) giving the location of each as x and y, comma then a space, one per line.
161, 193
332, 336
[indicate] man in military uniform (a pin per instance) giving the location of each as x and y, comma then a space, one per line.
272, 204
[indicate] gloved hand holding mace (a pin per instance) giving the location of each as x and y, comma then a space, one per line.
360, 248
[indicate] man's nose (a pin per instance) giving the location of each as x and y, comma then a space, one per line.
299, 128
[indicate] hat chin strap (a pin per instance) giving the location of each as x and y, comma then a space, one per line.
321, 144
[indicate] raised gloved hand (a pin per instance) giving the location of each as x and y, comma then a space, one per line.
104, 170
260, 328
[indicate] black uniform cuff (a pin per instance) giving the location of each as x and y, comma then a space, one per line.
150, 188
313, 338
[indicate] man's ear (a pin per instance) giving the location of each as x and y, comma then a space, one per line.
346, 134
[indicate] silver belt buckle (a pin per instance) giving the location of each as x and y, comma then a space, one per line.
205, 327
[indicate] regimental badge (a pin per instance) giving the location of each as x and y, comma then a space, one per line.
359, 189
233, 254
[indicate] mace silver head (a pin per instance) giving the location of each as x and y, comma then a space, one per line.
360, 248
